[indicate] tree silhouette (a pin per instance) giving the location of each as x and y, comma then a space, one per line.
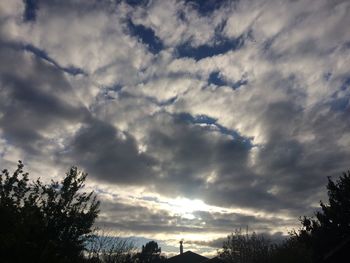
105, 247
331, 225
240, 248
150, 253
291, 250
44, 222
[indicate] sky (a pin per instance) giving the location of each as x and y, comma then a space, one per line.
192, 118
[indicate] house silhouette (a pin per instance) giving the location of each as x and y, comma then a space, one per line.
191, 257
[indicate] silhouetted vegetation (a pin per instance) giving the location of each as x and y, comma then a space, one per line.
323, 238
54, 223
243, 248
44, 223
105, 247
150, 253
254, 248
331, 225
290, 250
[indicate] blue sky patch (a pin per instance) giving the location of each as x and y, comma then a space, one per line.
216, 79
207, 6
147, 36
43, 55
204, 51
137, 2
204, 119
340, 104
31, 6
345, 84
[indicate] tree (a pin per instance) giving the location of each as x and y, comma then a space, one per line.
45, 222
105, 247
240, 248
291, 250
331, 225
150, 253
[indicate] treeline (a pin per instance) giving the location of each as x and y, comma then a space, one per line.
105, 248
54, 223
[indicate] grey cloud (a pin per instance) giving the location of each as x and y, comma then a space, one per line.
35, 99
124, 217
215, 243
189, 153
218, 242
110, 155
192, 153
299, 169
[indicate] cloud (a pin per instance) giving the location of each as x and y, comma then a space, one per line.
33, 105
110, 154
143, 218
243, 105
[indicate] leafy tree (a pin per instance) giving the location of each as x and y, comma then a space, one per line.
331, 225
44, 222
150, 253
240, 248
290, 250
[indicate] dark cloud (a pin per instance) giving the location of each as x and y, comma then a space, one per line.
218, 242
78, 6
192, 153
215, 243
298, 169
124, 217
110, 155
35, 99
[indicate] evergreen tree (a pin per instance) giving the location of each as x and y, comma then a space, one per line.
151, 253
331, 225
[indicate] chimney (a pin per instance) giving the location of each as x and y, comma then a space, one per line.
181, 247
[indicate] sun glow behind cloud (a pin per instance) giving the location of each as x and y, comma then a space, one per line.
185, 207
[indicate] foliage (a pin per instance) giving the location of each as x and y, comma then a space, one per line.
150, 253
240, 248
290, 250
107, 248
44, 222
331, 225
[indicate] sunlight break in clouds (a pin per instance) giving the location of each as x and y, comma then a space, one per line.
192, 118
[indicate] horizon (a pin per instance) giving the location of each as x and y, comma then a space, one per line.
192, 118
